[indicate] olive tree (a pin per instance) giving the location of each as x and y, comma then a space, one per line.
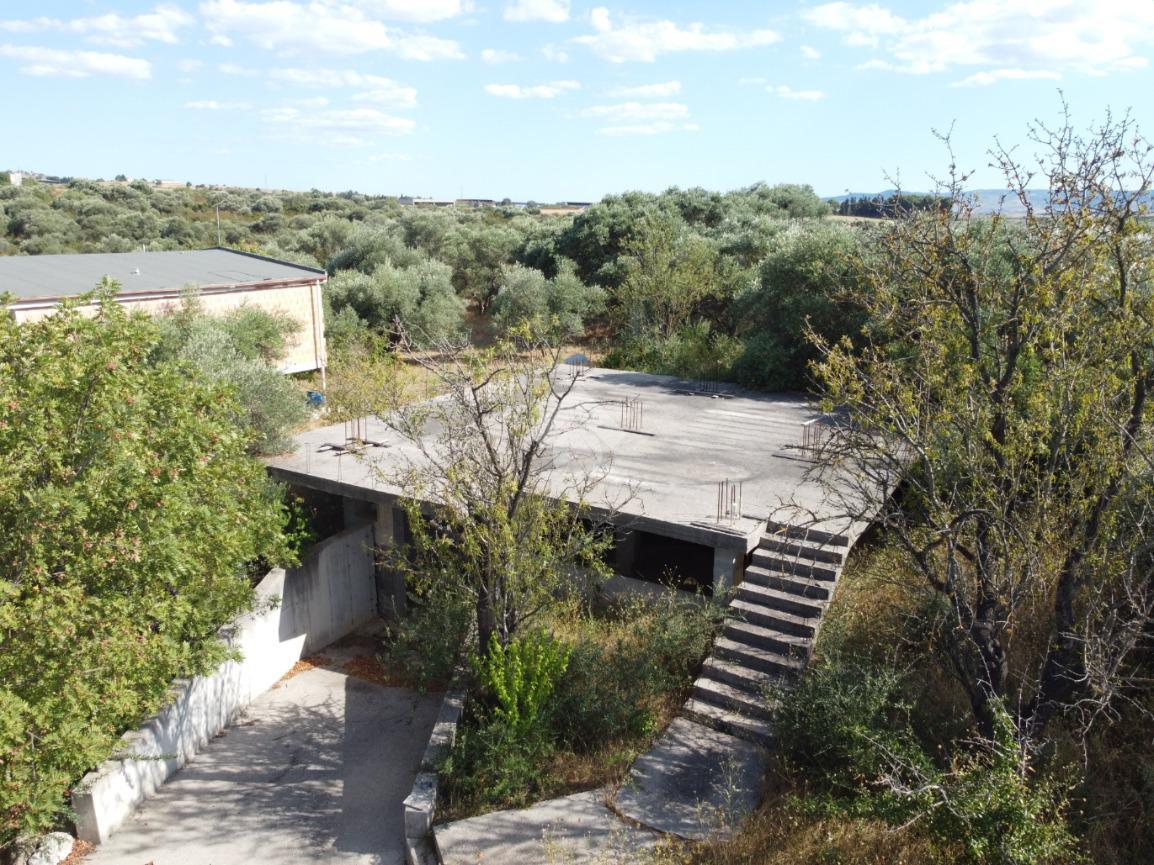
1006, 373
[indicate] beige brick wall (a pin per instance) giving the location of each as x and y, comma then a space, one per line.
306, 348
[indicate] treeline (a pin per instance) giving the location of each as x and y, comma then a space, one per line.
890, 206
688, 282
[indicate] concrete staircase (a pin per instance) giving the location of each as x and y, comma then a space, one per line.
776, 613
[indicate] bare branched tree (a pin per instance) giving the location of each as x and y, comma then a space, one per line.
1006, 375
495, 516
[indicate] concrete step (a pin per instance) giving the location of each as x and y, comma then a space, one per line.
756, 730
812, 551
759, 614
747, 678
729, 697
776, 599
805, 533
797, 567
770, 639
806, 587
772, 663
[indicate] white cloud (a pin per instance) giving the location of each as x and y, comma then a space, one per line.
159, 25
554, 54
414, 10
238, 70
637, 111
787, 92
554, 11
641, 118
644, 41
985, 79
810, 53
50, 62
189, 65
495, 56
537, 91
648, 91
658, 128
321, 26
375, 88
214, 105
350, 127
1035, 36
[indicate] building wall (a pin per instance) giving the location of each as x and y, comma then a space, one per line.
306, 349
301, 611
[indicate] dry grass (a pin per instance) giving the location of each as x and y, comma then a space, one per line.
80, 851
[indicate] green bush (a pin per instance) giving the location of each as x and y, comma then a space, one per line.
425, 644
622, 668
696, 352
560, 305
846, 728
503, 753
520, 678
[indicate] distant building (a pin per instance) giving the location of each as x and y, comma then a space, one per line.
476, 202
153, 282
16, 178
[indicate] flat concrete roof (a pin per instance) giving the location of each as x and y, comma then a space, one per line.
663, 479
50, 276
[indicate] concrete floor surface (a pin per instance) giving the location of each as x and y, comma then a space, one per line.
315, 770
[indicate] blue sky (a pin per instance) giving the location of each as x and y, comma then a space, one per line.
553, 99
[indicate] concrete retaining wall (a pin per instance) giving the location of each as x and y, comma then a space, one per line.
300, 611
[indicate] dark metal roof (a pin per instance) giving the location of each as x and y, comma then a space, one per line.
35, 276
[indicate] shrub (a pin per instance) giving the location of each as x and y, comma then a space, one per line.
424, 645
503, 754
520, 678
421, 297
622, 668
695, 351
847, 728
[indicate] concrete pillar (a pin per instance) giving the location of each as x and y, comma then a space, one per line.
725, 563
356, 511
390, 583
624, 551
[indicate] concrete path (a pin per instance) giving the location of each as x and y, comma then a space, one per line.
572, 830
316, 770
695, 782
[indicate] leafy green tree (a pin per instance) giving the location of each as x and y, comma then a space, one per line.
238, 351
478, 254
667, 273
560, 305
419, 298
806, 283
128, 507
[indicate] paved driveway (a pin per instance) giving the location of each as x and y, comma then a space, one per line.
314, 771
